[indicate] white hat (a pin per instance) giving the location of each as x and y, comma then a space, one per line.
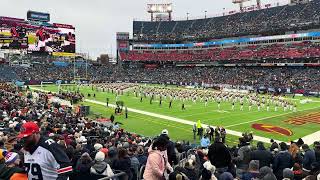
165, 131
207, 165
100, 156
51, 135
97, 146
83, 139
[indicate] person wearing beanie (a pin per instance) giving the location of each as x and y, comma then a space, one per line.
282, 160
84, 164
10, 170
208, 169
226, 176
264, 156
100, 166
142, 158
252, 172
288, 174
97, 146
264, 171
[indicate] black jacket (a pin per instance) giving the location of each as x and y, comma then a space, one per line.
123, 165
6, 172
264, 157
219, 155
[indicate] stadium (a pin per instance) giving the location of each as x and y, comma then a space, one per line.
232, 96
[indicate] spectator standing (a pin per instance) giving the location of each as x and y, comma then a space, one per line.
282, 160
43, 158
156, 163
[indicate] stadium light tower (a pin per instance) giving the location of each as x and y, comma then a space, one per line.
160, 9
240, 2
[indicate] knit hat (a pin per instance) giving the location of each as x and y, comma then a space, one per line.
11, 157
288, 173
266, 173
226, 176
100, 156
140, 150
254, 165
207, 165
97, 146
126, 145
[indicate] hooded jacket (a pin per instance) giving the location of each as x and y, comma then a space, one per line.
102, 168
156, 165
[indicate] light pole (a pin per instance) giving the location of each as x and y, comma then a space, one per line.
187, 16
205, 14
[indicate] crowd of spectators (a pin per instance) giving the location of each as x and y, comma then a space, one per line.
291, 51
95, 150
296, 78
274, 20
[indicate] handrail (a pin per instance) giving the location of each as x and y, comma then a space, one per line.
114, 176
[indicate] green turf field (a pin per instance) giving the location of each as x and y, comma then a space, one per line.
236, 120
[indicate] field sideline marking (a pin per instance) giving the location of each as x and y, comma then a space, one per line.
232, 132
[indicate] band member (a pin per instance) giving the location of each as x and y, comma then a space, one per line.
182, 107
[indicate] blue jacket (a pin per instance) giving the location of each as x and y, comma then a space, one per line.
205, 142
282, 160
308, 159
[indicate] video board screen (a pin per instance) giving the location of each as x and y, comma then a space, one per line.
37, 37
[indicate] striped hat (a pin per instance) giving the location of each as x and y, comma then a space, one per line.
11, 157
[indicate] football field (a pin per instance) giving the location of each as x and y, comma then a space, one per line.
149, 119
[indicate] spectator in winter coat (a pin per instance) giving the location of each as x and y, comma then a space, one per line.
308, 158
264, 157
84, 164
266, 173
294, 150
219, 156
282, 160
172, 157
100, 166
288, 174
252, 172
156, 163
142, 158
123, 163
243, 156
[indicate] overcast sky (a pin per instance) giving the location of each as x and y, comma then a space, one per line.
97, 21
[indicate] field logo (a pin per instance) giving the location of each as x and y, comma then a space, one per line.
272, 129
305, 119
